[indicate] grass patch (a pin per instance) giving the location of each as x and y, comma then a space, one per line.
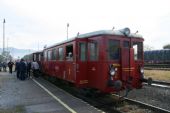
158, 75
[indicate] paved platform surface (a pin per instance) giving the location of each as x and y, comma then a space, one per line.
27, 97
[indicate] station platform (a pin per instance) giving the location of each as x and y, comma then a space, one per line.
37, 96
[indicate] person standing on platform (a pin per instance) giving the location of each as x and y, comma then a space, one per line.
35, 68
23, 69
0, 66
28, 68
17, 68
4, 64
10, 65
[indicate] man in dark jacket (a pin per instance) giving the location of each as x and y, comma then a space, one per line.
28, 68
4, 65
0, 66
10, 65
17, 68
23, 69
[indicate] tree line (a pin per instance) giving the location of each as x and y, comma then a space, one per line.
5, 56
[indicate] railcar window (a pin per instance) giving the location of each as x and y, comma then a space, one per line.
61, 53
54, 54
45, 55
39, 57
49, 55
82, 51
113, 49
126, 44
138, 50
34, 57
30, 57
93, 48
69, 52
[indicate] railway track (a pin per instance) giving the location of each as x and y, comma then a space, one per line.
157, 65
147, 106
161, 84
165, 67
155, 109
154, 68
108, 104
96, 102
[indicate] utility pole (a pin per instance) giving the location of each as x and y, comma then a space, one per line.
38, 45
7, 44
67, 30
3, 35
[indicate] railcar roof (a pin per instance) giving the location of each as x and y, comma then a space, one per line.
108, 32
101, 32
39, 51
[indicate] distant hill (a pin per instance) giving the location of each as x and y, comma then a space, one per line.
17, 52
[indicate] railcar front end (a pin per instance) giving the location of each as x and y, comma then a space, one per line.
114, 61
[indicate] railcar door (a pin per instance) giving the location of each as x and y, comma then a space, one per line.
70, 63
45, 62
94, 65
81, 66
125, 58
127, 62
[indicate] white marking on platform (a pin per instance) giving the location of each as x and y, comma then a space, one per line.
79, 99
56, 98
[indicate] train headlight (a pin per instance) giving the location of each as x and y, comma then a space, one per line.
112, 72
141, 70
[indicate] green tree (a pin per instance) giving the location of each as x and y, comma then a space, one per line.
148, 48
5, 56
2, 58
166, 46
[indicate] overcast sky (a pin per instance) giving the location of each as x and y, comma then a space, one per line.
31, 24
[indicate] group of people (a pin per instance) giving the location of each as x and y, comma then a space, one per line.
4, 65
23, 69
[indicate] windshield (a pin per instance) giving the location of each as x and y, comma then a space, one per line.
113, 49
138, 50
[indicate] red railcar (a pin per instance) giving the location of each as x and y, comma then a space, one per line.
36, 56
105, 60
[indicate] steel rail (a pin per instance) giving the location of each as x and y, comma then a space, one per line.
157, 65
153, 68
147, 106
165, 67
161, 82
144, 105
157, 85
